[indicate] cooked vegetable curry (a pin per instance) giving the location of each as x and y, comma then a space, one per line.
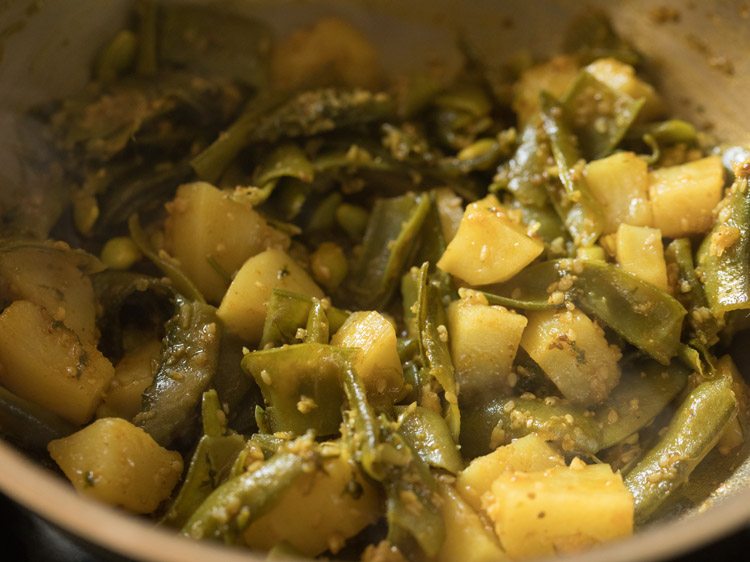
285, 302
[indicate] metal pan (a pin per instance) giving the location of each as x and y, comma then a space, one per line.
697, 55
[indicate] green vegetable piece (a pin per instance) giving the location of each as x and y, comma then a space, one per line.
210, 465
28, 425
168, 266
575, 204
353, 219
525, 175
270, 117
189, 357
645, 390
598, 116
237, 393
428, 434
412, 513
553, 419
286, 161
243, 499
317, 329
724, 256
673, 131
117, 57
301, 384
389, 242
639, 312
287, 313
695, 428
433, 346
679, 257
120, 252
209, 42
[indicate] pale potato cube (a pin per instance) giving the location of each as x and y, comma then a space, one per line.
554, 76
51, 279
319, 511
527, 454
466, 537
559, 510
489, 246
377, 362
118, 463
621, 77
211, 233
47, 363
330, 52
133, 374
483, 342
620, 184
572, 350
243, 308
640, 251
683, 197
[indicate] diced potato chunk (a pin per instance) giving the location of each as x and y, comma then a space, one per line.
489, 246
621, 77
562, 509
330, 52
640, 251
554, 76
483, 343
319, 511
683, 197
50, 278
466, 537
47, 363
118, 463
211, 234
243, 308
573, 352
620, 185
133, 374
377, 363
527, 454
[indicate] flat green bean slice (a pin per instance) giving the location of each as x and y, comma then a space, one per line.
575, 204
317, 329
243, 499
390, 240
725, 265
694, 430
287, 313
301, 385
210, 465
525, 175
426, 432
640, 313
678, 254
645, 390
189, 357
29, 425
433, 347
598, 116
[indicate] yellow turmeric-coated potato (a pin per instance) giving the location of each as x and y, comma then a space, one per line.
573, 352
527, 454
489, 246
640, 251
118, 463
377, 362
211, 232
45, 362
319, 511
243, 308
559, 510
